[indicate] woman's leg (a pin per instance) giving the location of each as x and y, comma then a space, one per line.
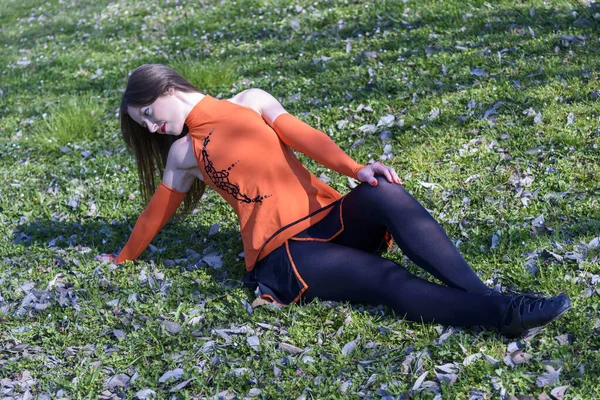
368, 210
341, 273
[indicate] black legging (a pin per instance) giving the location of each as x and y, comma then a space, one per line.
346, 269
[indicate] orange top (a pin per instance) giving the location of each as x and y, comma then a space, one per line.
243, 159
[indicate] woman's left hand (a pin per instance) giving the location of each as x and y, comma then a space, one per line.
368, 174
106, 257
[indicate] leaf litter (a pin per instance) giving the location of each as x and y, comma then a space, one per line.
174, 374
354, 45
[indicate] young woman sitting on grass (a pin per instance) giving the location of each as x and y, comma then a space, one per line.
301, 238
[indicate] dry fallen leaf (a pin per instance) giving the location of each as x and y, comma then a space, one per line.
119, 380
595, 242
119, 334
145, 394
477, 72
349, 347
565, 340
471, 359
259, 301
290, 349
559, 392
447, 373
214, 229
345, 386
171, 327
490, 359
254, 392
429, 185
254, 342
213, 260
240, 371
520, 357
419, 381
173, 374
352, 182
386, 121
433, 114
368, 128
180, 386
550, 378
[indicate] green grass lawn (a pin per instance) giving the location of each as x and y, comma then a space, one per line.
489, 112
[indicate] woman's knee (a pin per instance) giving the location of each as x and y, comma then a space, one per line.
386, 192
384, 196
384, 185
383, 188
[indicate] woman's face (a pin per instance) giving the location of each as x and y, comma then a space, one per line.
164, 116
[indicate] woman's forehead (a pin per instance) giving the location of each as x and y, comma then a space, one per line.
135, 112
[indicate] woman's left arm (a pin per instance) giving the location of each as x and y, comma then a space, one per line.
312, 142
169, 195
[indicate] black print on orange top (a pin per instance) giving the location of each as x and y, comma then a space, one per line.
221, 178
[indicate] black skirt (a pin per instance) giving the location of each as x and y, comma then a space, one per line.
276, 277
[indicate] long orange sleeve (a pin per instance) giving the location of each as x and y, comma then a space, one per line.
159, 211
315, 144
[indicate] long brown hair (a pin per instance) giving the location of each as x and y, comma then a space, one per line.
146, 83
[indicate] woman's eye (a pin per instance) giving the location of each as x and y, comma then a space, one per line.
147, 112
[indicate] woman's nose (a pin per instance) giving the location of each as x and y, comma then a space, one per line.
152, 127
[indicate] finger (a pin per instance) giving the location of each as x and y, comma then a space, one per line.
388, 175
381, 168
371, 178
378, 169
367, 175
393, 176
396, 177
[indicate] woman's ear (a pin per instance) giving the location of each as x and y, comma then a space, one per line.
170, 91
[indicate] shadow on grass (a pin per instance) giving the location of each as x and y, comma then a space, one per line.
177, 240
503, 29
514, 48
506, 31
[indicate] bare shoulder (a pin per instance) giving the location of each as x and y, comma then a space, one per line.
252, 98
263, 102
182, 167
181, 154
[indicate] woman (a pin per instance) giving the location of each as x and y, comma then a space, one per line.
301, 238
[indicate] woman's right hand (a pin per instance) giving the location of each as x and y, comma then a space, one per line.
368, 174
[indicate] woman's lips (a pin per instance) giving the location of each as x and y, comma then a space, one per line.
164, 128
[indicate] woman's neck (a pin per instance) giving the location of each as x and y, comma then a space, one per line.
188, 100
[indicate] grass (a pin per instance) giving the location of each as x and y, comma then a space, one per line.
80, 119
491, 94
207, 73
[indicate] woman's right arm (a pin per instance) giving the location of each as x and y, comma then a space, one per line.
162, 206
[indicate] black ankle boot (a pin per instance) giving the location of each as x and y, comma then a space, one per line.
527, 311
